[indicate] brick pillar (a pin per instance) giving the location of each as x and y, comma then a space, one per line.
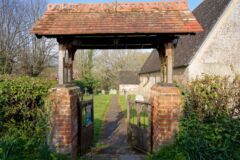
166, 111
63, 135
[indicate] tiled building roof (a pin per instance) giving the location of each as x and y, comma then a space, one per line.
152, 64
115, 18
128, 77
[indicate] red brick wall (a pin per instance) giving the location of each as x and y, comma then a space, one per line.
63, 135
166, 111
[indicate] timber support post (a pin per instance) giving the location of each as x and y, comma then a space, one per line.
163, 65
65, 64
169, 52
61, 57
166, 56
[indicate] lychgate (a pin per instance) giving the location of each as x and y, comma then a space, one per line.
155, 25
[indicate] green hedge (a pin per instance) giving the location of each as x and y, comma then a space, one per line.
209, 128
23, 118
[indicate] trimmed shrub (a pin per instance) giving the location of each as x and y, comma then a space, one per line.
210, 125
214, 95
23, 118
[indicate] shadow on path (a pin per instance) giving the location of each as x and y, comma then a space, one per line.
114, 137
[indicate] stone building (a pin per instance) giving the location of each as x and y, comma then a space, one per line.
128, 82
216, 51
149, 74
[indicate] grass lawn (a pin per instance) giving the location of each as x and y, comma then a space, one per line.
133, 118
101, 104
123, 104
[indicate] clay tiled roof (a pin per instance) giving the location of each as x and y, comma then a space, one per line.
117, 18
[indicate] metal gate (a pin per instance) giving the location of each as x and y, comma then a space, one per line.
139, 125
86, 125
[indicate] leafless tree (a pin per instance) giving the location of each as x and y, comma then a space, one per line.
104, 65
83, 63
10, 32
20, 51
107, 65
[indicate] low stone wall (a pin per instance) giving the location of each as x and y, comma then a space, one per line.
63, 135
167, 105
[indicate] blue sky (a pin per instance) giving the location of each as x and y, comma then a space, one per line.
192, 3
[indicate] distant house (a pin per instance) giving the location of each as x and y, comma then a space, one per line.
215, 51
128, 82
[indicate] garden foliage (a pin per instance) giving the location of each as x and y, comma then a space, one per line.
23, 118
88, 84
210, 125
